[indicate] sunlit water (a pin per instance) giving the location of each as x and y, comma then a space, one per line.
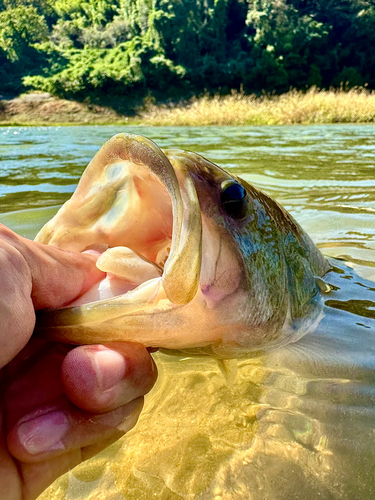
298, 423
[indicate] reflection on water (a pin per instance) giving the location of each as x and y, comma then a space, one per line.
297, 423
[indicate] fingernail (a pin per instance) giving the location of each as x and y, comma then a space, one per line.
110, 368
44, 433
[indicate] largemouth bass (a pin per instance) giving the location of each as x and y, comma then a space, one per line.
196, 259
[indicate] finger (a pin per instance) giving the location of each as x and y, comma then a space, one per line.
17, 316
81, 375
36, 384
57, 277
63, 428
38, 476
21, 363
99, 378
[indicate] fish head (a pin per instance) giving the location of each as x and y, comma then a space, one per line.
197, 260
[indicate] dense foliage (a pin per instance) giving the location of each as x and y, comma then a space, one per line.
102, 49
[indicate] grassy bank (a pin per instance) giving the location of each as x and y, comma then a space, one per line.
314, 106
355, 106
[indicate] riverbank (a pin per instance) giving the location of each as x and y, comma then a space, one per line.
45, 109
294, 107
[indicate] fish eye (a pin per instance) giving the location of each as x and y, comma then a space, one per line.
233, 199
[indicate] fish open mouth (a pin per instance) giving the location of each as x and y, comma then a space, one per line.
142, 214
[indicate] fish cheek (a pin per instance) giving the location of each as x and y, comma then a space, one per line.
222, 270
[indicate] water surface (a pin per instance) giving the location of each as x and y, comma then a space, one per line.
297, 423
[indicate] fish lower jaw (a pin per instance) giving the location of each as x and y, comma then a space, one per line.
115, 292
72, 323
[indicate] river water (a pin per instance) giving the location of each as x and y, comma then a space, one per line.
297, 423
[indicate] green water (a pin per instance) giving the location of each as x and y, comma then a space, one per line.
298, 423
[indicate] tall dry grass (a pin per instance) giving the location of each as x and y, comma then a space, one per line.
295, 107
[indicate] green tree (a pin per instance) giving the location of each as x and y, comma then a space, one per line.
20, 28
96, 62
175, 48
285, 45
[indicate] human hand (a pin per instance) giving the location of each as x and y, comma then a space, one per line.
60, 405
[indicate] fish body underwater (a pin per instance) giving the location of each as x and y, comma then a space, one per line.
196, 259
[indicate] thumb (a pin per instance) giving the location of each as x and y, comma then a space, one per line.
57, 277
